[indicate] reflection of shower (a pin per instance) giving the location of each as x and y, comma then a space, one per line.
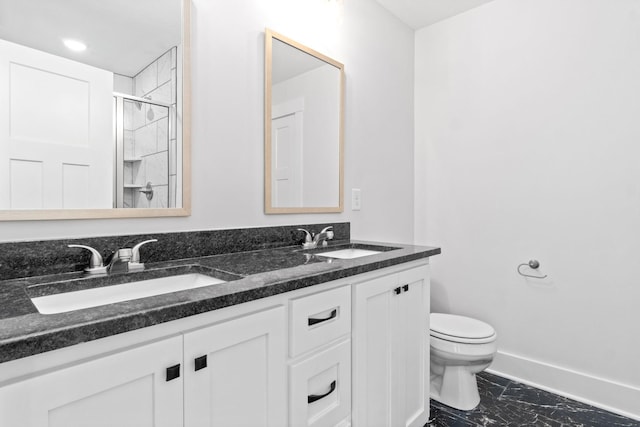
143, 132
150, 114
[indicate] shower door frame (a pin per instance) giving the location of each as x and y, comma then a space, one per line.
119, 98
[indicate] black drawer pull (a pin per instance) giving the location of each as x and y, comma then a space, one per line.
333, 315
173, 372
405, 288
313, 397
200, 362
397, 290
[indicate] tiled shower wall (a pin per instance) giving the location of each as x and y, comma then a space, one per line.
150, 135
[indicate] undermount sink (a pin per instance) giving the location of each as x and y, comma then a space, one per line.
348, 253
86, 298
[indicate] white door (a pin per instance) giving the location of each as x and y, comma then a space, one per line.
235, 372
56, 132
126, 389
286, 144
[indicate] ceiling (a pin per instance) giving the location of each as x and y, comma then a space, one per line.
122, 36
420, 13
288, 62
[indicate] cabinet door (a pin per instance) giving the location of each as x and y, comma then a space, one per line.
125, 389
411, 363
235, 372
373, 336
391, 350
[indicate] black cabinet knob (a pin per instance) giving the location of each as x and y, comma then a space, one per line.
405, 288
200, 362
173, 372
397, 290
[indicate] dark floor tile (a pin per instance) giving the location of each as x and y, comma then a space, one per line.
497, 413
491, 386
494, 379
440, 418
567, 411
511, 404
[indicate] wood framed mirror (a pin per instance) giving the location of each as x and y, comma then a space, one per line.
102, 131
304, 127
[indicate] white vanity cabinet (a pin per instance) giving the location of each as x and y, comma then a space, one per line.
242, 384
391, 350
351, 352
125, 389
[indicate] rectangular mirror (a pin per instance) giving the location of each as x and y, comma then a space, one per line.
94, 109
304, 103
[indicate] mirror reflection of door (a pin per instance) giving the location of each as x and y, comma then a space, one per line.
287, 141
55, 138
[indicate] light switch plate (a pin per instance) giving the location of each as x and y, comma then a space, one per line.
356, 200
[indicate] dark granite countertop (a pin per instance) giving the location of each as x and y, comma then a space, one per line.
251, 275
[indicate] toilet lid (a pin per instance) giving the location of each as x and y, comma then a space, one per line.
460, 329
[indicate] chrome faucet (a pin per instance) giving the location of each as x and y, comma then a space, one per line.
118, 261
312, 240
127, 259
122, 260
323, 236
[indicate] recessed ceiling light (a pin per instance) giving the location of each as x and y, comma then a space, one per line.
75, 45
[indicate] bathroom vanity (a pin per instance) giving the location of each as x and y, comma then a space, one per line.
290, 338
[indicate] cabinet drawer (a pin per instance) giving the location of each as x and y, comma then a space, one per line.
318, 319
320, 388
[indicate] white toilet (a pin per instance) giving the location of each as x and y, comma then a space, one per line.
460, 348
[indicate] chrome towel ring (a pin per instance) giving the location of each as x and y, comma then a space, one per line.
533, 264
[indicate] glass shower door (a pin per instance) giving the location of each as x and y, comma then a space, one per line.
143, 153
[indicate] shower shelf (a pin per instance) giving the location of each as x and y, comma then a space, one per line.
133, 186
133, 160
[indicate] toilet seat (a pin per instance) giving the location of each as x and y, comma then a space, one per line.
460, 329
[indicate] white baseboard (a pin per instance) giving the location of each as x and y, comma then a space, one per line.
599, 392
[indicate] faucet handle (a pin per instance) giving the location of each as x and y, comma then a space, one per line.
329, 231
96, 265
134, 263
325, 234
307, 238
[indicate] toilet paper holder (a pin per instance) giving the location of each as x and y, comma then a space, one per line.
533, 264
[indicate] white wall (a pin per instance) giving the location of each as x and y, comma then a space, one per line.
122, 84
527, 146
227, 132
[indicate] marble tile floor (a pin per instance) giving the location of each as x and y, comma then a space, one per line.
507, 403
